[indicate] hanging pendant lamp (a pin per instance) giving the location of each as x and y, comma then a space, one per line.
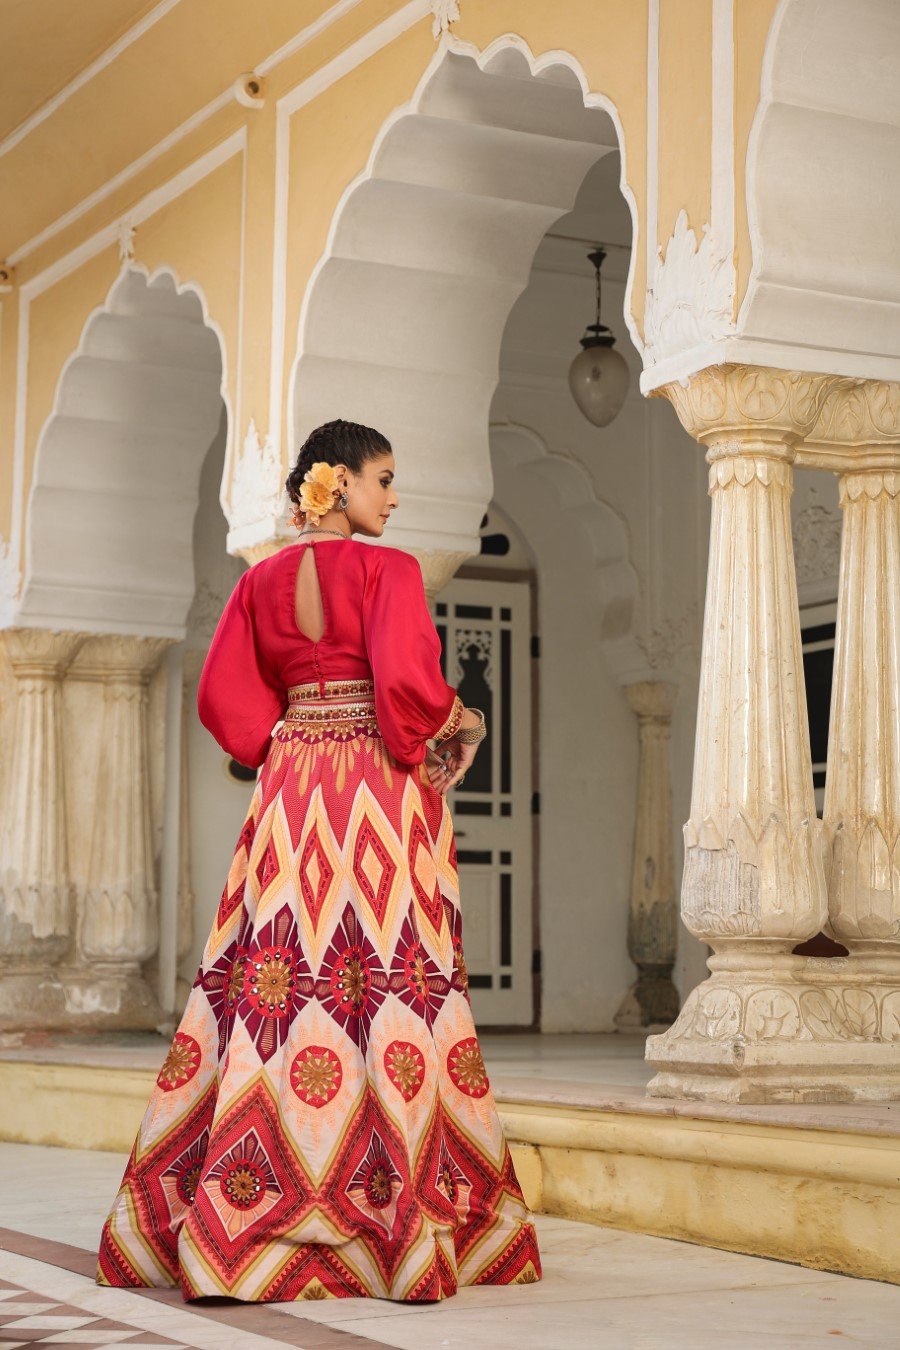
599, 375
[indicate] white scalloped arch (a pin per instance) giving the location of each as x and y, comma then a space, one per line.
429, 247
115, 489
823, 192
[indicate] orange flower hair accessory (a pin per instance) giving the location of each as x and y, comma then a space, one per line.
317, 491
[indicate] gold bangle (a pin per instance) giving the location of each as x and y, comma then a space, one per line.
471, 735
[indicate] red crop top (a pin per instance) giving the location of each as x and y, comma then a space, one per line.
376, 626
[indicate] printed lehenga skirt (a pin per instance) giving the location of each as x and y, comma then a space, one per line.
323, 1125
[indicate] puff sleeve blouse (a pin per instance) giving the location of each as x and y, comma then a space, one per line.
378, 626
239, 695
413, 701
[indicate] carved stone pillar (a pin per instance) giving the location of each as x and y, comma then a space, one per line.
35, 889
652, 1001
862, 788
117, 911
753, 884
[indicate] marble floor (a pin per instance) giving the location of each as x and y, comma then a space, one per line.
602, 1290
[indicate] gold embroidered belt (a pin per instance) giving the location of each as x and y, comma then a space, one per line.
344, 706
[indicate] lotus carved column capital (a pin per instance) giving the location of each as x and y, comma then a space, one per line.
39, 652
119, 658
858, 427
739, 409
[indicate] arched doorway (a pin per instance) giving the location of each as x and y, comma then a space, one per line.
96, 764
402, 326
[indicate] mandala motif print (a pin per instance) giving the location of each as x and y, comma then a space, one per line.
323, 1125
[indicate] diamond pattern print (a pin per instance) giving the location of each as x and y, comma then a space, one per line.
373, 868
323, 1126
316, 874
423, 874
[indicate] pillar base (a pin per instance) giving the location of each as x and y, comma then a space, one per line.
76, 1000
32, 1000
98, 997
651, 1003
809, 1030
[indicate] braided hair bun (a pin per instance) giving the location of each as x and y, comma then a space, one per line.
336, 442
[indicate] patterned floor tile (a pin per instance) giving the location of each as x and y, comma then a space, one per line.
14, 1309
47, 1322
88, 1337
28, 1319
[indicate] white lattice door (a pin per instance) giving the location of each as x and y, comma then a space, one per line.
484, 628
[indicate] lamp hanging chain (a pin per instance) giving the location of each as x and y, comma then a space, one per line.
596, 256
598, 296
597, 334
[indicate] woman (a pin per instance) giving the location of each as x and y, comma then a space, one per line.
323, 1125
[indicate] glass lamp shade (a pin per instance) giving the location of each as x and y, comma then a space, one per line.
599, 379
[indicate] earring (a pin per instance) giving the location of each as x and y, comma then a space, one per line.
343, 500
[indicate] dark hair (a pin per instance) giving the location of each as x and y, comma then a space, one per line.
336, 442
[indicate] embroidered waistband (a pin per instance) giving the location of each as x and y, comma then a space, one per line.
321, 690
341, 706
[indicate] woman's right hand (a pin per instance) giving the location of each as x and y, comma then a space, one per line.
455, 755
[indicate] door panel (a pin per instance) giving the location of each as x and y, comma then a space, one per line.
484, 627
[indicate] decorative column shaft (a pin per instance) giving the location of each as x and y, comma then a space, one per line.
35, 889
753, 884
118, 919
862, 789
652, 1001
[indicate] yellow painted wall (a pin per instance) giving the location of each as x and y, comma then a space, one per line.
685, 114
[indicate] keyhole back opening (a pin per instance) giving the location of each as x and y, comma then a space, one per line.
309, 614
